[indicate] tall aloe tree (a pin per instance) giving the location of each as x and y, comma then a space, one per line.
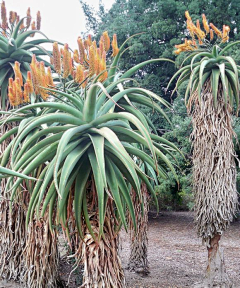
213, 87
16, 51
86, 142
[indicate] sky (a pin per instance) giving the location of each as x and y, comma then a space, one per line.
62, 20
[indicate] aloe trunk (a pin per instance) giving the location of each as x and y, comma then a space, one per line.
41, 255
214, 175
138, 260
99, 257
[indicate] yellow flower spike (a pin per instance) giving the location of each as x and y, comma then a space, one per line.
94, 43
205, 24
216, 30
56, 58
198, 24
106, 41
86, 44
226, 30
89, 40
81, 50
85, 76
101, 46
178, 51
4, 16
29, 18
11, 96
188, 16
97, 61
17, 72
79, 75
29, 81
76, 56
91, 61
66, 62
49, 79
211, 34
114, 46
26, 93
19, 93
38, 20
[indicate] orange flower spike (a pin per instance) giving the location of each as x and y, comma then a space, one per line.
97, 62
38, 20
56, 58
29, 18
226, 30
114, 45
205, 24
211, 34
79, 75
11, 96
12, 17
86, 44
198, 24
216, 30
33, 26
101, 46
76, 56
85, 76
4, 16
91, 61
66, 63
81, 50
89, 40
19, 93
49, 79
29, 82
11, 92
106, 41
26, 93
17, 72
187, 15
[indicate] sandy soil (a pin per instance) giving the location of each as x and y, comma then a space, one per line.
176, 256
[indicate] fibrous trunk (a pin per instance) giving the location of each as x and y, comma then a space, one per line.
29, 257
138, 260
99, 256
41, 256
12, 226
214, 173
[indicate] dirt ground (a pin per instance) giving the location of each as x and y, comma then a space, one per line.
176, 256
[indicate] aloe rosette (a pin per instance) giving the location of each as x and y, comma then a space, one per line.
15, 46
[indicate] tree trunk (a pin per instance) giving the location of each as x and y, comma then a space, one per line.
12, 226
99, 257
41, 256
138, 261
29, 257
214, 176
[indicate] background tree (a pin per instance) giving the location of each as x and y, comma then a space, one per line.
213, 86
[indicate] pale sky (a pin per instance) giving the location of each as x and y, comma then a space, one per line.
62, 20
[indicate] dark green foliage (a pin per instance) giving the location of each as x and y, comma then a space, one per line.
163, 23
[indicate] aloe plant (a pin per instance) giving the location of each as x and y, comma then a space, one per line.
16, 46
212, 95
86, 142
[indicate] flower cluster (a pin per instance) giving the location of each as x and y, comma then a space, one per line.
198, 35
88, 60
37, 78
14, 19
